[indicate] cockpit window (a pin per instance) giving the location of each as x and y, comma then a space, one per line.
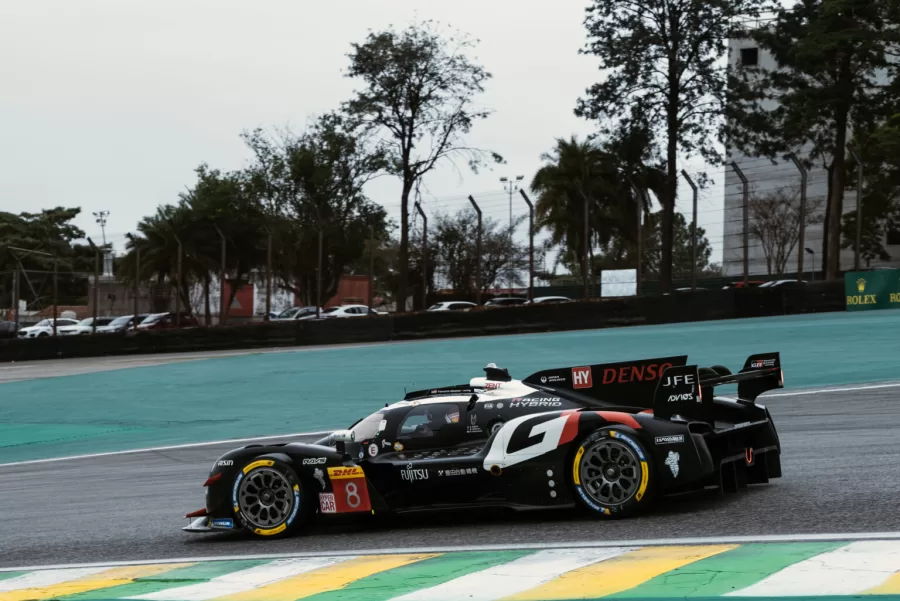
427, 420
369, 428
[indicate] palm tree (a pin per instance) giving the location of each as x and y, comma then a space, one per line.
576, 175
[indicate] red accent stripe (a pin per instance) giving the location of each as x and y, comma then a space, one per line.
570, 430
648, 411
619, 418
197, 514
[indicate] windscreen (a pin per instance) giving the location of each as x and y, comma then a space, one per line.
368, 428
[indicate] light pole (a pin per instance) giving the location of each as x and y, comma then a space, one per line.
100, 217
511, 186
812, 268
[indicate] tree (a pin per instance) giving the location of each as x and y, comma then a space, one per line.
313, 185
663, 73
828, 55
456, 252
775, 222
880, 154
619, 254
576, 173
50, 231
418, 94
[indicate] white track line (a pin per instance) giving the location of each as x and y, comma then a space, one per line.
46, 578
849, 570
242, 581
654, 542
168, 448
324, 432
513, 577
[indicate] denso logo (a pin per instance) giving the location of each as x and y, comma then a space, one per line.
688, 396
582, 378
634, 373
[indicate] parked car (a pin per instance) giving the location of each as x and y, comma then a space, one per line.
45, 327
505, 301
84, 327
121, 324
546, 300
452, 306
166, 321
296, 313
349, 311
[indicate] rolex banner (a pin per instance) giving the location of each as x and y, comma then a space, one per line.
867, 290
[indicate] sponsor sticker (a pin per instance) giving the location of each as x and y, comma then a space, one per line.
491, 385
386, 444
319, 475
314, 461
224, 463
762, 363
582, 377
552, 379
412, 475
671, 439
222, 523
536, 402
344, 473
373, 449
672, 462
676, 398
398, 446
488, 406
326, 502
467, 471
671, 381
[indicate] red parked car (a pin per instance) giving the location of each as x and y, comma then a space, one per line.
166, 321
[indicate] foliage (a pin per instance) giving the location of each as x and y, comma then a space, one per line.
662, 74
51, 231
775, 222
829, 54
417, 95
620, 253
312, 185
455, 242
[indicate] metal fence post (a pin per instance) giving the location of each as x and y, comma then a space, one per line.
859, 184
693, 232
478, 282
371, 264
801, 223
530, 245
96, 284
746, 219
424, 257
223, 302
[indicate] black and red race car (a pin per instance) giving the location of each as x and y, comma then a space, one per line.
610, 438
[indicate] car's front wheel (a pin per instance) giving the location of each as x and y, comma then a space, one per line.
268, 498
612, 474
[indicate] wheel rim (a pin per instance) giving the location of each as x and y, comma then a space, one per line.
265, 498
610, 472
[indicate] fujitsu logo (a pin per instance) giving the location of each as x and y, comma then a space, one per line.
581, 377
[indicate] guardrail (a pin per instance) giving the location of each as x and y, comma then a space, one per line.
680, 307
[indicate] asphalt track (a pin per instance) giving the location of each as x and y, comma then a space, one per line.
840, 476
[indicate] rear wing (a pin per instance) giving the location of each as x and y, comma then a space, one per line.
683, 390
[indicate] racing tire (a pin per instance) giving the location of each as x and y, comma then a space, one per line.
42, 334
721, 370
612, 474
269, 499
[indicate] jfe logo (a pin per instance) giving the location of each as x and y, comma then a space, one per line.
676, 380
581, 377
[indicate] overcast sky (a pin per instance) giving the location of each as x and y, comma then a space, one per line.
111, 104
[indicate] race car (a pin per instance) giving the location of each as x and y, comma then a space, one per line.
608, 438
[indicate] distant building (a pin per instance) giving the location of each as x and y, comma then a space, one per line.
763, 176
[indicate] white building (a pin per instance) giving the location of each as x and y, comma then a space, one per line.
765, 176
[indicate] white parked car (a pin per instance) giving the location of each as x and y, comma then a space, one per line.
296, 314
506, 301
45, 327
452, 306
546, 300
84, 327
349, 311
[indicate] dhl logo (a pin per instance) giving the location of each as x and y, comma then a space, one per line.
344, 473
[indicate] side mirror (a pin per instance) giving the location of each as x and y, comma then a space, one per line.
343, 436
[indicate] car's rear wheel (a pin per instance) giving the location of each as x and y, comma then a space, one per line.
612, 474
268, 498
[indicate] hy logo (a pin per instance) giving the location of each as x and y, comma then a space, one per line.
581, 377
861, 284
